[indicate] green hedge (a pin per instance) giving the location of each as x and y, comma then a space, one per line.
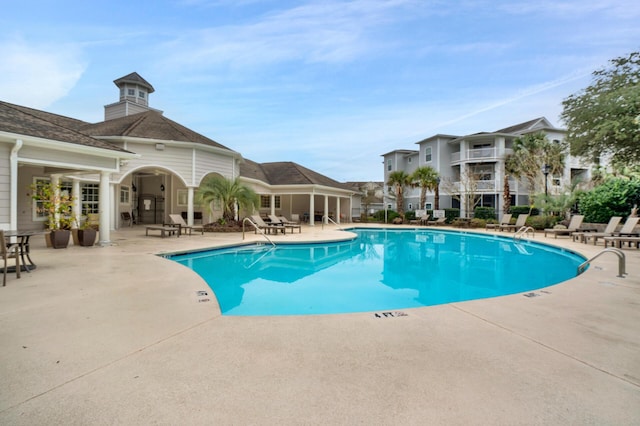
615, 197
484, 213
518, 210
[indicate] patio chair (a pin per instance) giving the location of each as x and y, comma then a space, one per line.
608, 232
126, 217
626, 234
506, 219
177, 220
266, 227
520, 222
422, 217
574, 225
283, 221
439, 221
9, 251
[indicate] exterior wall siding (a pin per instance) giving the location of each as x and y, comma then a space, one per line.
5, 185
82, 161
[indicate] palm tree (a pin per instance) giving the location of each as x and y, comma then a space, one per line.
229, 192
398, 180
511, 168
427, 179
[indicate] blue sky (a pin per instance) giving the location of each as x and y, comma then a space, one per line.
331, 85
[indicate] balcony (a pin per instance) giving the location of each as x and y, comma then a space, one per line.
477, 155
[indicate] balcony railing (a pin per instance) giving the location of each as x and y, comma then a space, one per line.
489, 153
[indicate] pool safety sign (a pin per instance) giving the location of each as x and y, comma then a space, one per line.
389, 314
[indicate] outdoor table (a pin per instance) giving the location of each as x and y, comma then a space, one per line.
23, 241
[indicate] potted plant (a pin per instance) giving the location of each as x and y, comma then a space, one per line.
87, 233
56, 205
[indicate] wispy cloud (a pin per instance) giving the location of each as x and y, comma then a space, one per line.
328, 32
37, 75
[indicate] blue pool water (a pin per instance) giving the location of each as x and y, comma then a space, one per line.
380, 270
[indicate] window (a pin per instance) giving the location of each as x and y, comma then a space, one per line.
428, 206
265, 201
183, 196
39, 213
389, 164
427, 154
131, 92
410, 206
389, 206
90, 198
555, 181
124, 194
141, 94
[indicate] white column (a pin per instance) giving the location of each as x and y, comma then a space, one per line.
77, 201
55, 184
13, 186
190, 206
272, 203
104, 210
338, 209
312, 216
114, 207
326, 209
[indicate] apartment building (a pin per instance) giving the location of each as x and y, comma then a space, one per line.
474, 165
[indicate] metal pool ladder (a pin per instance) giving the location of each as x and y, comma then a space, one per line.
246, 219
524, 231
621, 261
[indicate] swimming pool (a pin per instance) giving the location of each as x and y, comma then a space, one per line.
379, 270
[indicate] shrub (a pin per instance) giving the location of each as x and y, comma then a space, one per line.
410, 215
543, 221
478, 223
615, 197
451, 214
484, 213
391, 214
518, 210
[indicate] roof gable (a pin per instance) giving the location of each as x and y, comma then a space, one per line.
287, 173
148, 125
31, 122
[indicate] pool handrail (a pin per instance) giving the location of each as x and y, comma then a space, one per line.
330, 220
246, 219
621, 261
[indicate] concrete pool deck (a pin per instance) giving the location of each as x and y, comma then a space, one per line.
118, 335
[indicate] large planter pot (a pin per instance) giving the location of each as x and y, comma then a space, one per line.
60, 238
87, 237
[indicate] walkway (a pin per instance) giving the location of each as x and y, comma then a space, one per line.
117, 335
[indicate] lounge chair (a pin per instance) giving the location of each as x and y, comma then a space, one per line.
628, 228
438, 222
506, 220
608, 232
422, 220
266, 227
574, 225
281, 220
9, 251
520, 222
177, 220
626, 234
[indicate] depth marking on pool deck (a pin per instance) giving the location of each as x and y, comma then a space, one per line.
201, 293
390, 314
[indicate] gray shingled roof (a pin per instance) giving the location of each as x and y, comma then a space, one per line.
135, 78
41, 124
286, 173
522, 127
150, 125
